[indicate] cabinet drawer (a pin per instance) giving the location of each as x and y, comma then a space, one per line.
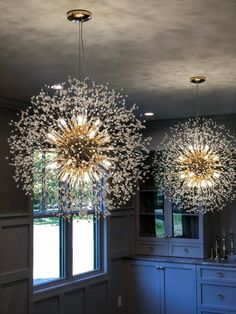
152, 249
181, 250
219, 296
206, 311
217, 273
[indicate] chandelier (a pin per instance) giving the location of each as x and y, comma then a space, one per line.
90, 141
196, 167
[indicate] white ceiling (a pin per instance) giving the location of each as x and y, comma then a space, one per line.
150, 48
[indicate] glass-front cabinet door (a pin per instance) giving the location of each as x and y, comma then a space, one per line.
151, 215
163, 226
152, 211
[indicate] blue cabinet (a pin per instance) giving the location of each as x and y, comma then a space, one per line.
201, 311
179, 288
143, 294
216, 289
160, 288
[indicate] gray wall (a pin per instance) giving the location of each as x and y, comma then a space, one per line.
15, 233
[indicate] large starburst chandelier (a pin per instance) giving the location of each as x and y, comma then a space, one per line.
90, 141
197, 165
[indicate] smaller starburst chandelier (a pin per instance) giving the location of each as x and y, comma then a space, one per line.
79, 144
196, 168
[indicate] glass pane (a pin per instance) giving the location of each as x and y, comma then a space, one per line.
45, 182
150, 201
51, 183
46, 249
152, 225
159, 223
185, 226
38, 170
147, 225
85, 245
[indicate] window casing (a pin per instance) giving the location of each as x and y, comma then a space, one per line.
63, 251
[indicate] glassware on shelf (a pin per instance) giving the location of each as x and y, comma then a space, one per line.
231, 238
217, 249
223, 242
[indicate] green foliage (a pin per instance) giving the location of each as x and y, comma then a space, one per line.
47, 221
45, 183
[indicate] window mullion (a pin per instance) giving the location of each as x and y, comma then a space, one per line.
69, 250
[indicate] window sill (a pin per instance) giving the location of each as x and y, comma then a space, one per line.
66, 285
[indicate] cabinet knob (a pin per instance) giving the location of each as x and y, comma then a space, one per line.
220, 296
159, 268
220, 274
186, 250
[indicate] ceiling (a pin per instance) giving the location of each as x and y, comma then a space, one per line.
150, 48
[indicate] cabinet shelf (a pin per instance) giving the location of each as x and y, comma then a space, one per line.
185, 214
148, 214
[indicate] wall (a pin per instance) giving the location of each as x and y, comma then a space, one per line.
15, 233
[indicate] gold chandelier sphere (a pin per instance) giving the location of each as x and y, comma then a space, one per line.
87, 139
199, 166
196, 167
80, 146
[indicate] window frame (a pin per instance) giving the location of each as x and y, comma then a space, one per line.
66, 254
66, 250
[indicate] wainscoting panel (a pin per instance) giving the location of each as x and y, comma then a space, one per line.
122, 233
15, 273
47, 306
14, 237
98, 299
15, 297
90, 299
117, 286
74, 302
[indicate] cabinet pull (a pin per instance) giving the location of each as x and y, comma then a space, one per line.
220, 296
220, 274
186, 250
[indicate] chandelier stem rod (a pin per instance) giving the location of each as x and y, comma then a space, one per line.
81, 51
82, 40
79, 66
197, 100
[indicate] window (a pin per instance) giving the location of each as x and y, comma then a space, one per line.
62, 250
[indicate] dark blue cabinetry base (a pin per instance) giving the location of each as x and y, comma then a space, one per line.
160, 288
216, 287
186, 286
